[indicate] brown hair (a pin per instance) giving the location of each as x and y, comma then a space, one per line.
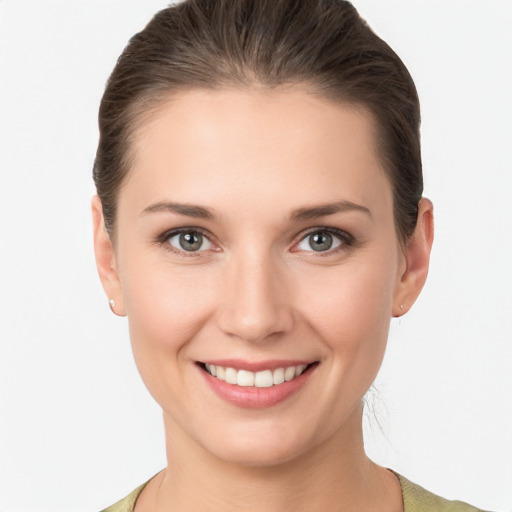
212, 44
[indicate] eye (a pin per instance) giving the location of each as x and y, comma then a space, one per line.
323, 240
189, 241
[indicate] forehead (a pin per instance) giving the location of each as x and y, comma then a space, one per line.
285, 146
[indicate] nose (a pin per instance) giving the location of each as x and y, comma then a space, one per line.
256, 305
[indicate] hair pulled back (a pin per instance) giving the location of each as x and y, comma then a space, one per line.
215, 44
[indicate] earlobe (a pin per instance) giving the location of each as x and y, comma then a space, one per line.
105, 259
417, 255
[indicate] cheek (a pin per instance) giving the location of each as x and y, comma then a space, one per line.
351, 315
350, 307
166, 308
167, 305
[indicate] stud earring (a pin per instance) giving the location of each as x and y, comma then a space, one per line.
401, 312
112, 304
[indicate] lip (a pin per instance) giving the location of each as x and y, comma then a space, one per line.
253, 397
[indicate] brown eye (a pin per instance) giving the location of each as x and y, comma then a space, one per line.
189, 241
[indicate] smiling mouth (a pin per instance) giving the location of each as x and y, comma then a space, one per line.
260, 379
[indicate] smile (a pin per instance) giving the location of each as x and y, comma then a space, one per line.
256, 385
261, 379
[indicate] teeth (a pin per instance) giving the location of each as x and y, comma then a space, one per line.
289, 373
212, 369
245, 378
263, 379
299, 369
231, 376
278, 376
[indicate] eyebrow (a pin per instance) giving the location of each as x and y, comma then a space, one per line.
322, 210
301, 214
190, 210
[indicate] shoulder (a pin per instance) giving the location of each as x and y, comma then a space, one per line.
417, 499
126, 504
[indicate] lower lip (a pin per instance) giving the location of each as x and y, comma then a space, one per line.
253, 397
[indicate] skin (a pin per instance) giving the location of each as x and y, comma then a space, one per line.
258, 292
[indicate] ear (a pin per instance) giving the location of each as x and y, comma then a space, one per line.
417, 258
105, 259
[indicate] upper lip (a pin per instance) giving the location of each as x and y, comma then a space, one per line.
257, 366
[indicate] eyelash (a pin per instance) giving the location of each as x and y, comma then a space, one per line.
164, 241
346, 239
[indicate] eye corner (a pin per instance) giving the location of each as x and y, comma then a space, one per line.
173, 240
336, 239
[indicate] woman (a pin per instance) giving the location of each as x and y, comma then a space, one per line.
260, 220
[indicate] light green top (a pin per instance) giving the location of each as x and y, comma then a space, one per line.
416, 499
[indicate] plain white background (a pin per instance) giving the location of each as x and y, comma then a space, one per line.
77, 428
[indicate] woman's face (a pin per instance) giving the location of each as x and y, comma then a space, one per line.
255, 234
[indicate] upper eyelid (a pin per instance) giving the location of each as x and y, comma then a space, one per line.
340, 233
176, 231
172, 232
163, 239
329, 229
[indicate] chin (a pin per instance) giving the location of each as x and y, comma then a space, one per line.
258, 449
256, 457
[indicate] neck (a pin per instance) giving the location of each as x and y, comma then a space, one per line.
336, 475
